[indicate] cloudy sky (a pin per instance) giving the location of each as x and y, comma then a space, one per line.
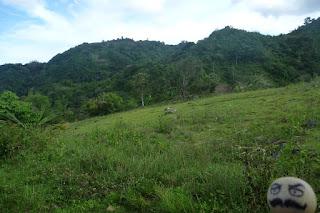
39, 29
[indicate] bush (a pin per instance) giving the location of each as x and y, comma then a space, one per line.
105, 103
166, 124
14, 139
131, 104
13, 110
8, 139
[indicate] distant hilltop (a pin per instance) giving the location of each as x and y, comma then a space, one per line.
236, 58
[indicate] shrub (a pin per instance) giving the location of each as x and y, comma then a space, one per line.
14, 139
166, 124
105, 103
39, 102
13, 110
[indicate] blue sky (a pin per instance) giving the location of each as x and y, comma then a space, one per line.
39, 29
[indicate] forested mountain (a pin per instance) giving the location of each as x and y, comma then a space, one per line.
132, 72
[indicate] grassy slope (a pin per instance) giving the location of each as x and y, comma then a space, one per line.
215, 154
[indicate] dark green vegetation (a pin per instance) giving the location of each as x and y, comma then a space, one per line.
217, 154
145, 72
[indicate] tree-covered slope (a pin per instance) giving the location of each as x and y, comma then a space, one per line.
236, 58
98, 61
20, 78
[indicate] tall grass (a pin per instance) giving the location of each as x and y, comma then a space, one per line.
214, 155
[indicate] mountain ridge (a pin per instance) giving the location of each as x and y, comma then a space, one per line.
243, 60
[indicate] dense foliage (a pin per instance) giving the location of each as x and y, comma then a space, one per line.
144, 72
105, 103
34, 111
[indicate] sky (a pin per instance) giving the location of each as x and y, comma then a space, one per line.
37, 30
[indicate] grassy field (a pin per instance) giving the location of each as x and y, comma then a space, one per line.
216, 154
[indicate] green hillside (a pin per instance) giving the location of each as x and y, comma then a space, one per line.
216, 154
242, 60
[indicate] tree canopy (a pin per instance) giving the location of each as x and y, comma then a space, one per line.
144, 72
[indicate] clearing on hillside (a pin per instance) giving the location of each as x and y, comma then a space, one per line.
217, 154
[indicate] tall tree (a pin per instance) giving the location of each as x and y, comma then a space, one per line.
140, 85
188, 71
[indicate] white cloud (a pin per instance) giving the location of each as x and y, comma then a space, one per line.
281, 7
26, 52
164, 20
146, 5
35, 8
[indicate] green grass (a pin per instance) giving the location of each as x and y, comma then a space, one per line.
216, 154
